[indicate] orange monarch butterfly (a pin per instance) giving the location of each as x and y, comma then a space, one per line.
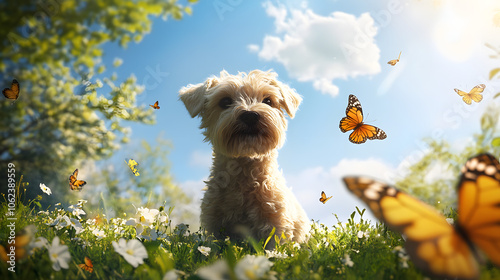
323, 198
434, 245
88, 266
132, 165
75, 184
13, 91
394, 61
474, 94
354, 121
155, 106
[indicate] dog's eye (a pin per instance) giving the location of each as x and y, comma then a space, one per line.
268, 101
225, 102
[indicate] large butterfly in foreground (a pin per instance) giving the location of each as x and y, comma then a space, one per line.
354, 121
74, 183
434, 245
323, 198
474, 94
13, 91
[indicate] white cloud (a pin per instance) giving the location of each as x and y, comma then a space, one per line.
308, 184
253, 48
201, 159
320, 49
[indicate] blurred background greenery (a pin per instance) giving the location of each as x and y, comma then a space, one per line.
51, 47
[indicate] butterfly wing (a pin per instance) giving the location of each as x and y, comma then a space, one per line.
479, 204
155, 106
466, 97
323, 197
13, 91
88, 266
354, 115
475, 93
433, 244
74, 183
477, 89
132, 165
366, 131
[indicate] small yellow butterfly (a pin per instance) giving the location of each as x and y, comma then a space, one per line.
132, 164
155, 106
13, 91
323, 198
74, 183
474, 94
394, 61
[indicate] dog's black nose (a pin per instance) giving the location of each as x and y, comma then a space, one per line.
249, 118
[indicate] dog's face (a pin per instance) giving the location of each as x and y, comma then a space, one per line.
242, 115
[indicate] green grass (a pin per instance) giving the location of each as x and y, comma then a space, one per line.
355, 249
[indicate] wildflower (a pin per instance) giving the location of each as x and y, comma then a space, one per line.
401, 252
347, 260
146, 233
40, 242
63, 222
450, 221
252, 267
76, 210
99, 233
296, 245
132, 251
173, 274
147, 216
218, 270
275, 254
76, 225
362, 234
59, 255
204, 250
44, 189
44, 212
81, 202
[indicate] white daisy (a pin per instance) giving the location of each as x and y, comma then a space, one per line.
44, 189
59, 255
216, 271
252, 267
204, 250
132, 251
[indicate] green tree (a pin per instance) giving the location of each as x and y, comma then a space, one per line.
50, 47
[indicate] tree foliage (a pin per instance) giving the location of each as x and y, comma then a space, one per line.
53, 48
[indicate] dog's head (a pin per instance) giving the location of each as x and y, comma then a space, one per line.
242, 115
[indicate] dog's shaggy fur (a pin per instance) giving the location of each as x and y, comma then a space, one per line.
242, 117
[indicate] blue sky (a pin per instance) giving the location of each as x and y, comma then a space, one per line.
326, 50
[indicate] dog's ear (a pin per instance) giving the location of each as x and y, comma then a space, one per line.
290, 98
194, 96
